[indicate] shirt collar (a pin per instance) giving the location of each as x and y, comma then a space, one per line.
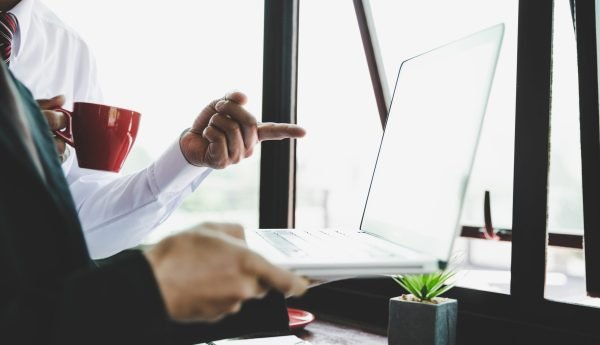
23, 11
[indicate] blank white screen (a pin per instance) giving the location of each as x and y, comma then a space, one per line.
429, 144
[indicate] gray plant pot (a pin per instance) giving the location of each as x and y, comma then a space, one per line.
415, 323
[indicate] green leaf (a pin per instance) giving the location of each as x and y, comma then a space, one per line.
409, 285
426, 286
400, 282
440, 283
441, 291
430, 280
414, 284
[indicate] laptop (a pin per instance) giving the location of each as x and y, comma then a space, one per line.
412, 211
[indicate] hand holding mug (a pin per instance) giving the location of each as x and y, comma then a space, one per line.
102, 135
224, 133
57, 121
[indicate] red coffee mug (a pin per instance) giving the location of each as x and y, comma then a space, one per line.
102, 135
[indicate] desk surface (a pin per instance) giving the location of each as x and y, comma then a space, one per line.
323, 332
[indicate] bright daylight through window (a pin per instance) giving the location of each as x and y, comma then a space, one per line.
333, 175
169, 75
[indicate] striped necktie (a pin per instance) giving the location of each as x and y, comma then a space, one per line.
8, 27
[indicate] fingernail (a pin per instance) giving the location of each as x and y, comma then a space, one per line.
220, 105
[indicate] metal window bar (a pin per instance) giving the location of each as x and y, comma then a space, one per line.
532, 144
584, 13
278, 158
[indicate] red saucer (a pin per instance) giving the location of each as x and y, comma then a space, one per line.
299, 318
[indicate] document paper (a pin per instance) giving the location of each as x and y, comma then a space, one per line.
285, 340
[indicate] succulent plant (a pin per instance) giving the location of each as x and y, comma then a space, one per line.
426, 287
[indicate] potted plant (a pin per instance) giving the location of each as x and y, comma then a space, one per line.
422, 317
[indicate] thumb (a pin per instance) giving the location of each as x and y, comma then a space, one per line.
279, 131
54, 102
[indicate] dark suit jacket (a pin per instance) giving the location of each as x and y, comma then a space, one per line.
51, 292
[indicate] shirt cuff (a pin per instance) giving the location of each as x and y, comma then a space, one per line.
172, 172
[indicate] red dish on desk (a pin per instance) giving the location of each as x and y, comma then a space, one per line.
299, 318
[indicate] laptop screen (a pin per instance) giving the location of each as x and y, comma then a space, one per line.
428, 147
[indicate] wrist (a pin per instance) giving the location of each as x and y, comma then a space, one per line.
187, 140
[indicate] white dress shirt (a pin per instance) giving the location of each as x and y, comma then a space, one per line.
116, 211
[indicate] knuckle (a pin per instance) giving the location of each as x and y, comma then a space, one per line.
236, 158
233, 126
223, 163
214, 118
219, 165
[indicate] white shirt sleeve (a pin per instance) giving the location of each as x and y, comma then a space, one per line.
117, 212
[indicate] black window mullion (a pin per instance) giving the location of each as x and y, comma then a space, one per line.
532, 143
585, 28
280, 61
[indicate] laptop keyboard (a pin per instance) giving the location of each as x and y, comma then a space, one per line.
331, 243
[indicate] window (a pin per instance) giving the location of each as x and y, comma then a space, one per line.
526, 314
169, 70
408, 28
337, 107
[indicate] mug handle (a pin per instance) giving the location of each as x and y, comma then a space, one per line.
66, 134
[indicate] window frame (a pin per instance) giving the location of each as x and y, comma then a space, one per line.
280, 70
520, 317
584, 21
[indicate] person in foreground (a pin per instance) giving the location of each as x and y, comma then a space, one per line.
118, 211
51, 292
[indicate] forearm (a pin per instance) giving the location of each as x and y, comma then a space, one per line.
117, 212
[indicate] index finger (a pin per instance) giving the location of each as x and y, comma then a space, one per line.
279, 131
272, 276
54, 102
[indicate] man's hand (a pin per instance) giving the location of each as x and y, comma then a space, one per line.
224, 133
56, 120
204, 274
231, 229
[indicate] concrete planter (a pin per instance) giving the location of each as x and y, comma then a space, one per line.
417, 323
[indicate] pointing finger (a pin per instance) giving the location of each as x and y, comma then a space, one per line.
279, 131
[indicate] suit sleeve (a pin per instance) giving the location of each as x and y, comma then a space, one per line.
119, 303
115, 303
